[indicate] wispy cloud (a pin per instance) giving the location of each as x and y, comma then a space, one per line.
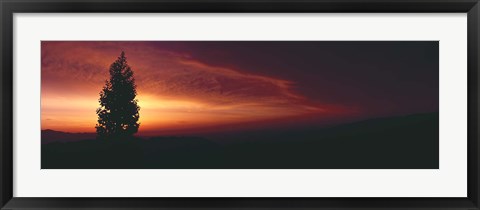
171, 83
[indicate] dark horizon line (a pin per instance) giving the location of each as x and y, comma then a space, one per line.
238, 130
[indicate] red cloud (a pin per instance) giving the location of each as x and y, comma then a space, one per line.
77, 70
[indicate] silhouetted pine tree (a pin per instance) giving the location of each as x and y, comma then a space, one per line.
118, 112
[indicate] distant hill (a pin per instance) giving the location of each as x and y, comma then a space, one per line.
50, 136
402, 142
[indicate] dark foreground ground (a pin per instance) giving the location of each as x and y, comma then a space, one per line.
409, 142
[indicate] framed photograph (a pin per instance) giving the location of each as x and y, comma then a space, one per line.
239, 104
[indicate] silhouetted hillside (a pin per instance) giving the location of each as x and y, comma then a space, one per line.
49, 136
397, 143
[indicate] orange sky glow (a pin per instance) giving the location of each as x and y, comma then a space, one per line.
175, 91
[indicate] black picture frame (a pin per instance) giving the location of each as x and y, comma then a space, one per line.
9, 7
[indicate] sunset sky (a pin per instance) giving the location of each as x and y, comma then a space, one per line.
185, 86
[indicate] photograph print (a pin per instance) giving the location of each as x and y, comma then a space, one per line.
239, 104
